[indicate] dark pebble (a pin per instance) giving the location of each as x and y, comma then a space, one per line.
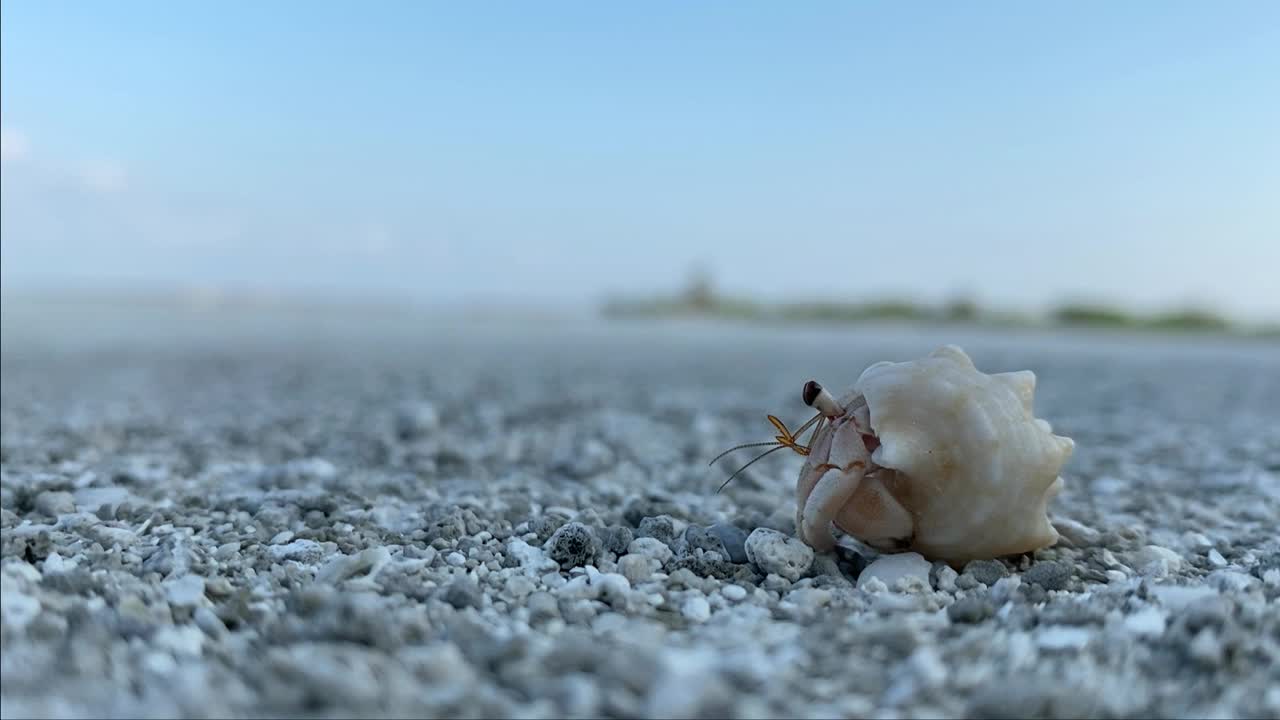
970, 610
734, 540
986, 572
462, 593
615, 539
574, 545
1048, 575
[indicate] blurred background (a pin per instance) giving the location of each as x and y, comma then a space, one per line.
1017, 164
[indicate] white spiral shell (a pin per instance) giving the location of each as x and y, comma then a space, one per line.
974, 466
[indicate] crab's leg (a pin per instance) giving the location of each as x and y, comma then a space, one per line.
874, 515
838, 480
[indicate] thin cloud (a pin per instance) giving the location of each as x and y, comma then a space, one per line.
13, 145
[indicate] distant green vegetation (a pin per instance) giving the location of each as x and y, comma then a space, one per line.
700, 301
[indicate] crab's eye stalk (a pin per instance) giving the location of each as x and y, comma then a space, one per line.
816, 396
811, 391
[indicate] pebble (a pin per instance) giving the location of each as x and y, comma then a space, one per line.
18, 609
778, 554
899, 572
1230, 580
946, 578
660, 527
1154, 560
456, 559
636, 568
1147, 622
986, 572
1216, 559
542, 605
735, 593
209, 622
616, 539
734, 540
696, 609
573, 545
299, 550
341, 567
652, 548
1177, 597
1206, 648
1049, 575
54, 503
970, 610
1062, 637
185, 591
463, 593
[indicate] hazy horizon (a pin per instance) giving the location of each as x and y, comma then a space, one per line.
1019, 155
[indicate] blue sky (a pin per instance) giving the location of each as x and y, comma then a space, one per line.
1023, 153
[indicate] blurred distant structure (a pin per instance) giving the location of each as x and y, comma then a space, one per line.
699, 298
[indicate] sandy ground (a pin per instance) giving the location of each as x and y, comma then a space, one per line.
321, 515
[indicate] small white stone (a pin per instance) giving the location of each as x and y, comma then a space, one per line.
872, 585
300, 550
185, 640
282, 537
456, 559
1206, 647
1230, 580
809, 598
1176, 597
734, 592
1196, 540
947, 578
1147, 622
1156, 561
696, 609
1062, 637
1272, 577
636, 568
1005, 589
519, 586
185, 591
612, 586
650, 547
1216, 559
779, 554
901, 571
928, 667
17, 609
55, 564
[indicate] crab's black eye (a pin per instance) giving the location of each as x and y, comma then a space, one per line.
811, 390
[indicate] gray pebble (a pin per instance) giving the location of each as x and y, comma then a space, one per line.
542, 606
986, 572
573, 545
615, 539
1048, 575
53, 503
970, 610
660, 528
207, 621
734, 540
462, 593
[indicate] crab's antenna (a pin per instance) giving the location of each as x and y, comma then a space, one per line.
744, 467
740, 447
785, 439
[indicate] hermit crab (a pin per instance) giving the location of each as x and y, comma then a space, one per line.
929, 455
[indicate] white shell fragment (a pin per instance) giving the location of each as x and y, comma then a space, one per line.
958, 449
